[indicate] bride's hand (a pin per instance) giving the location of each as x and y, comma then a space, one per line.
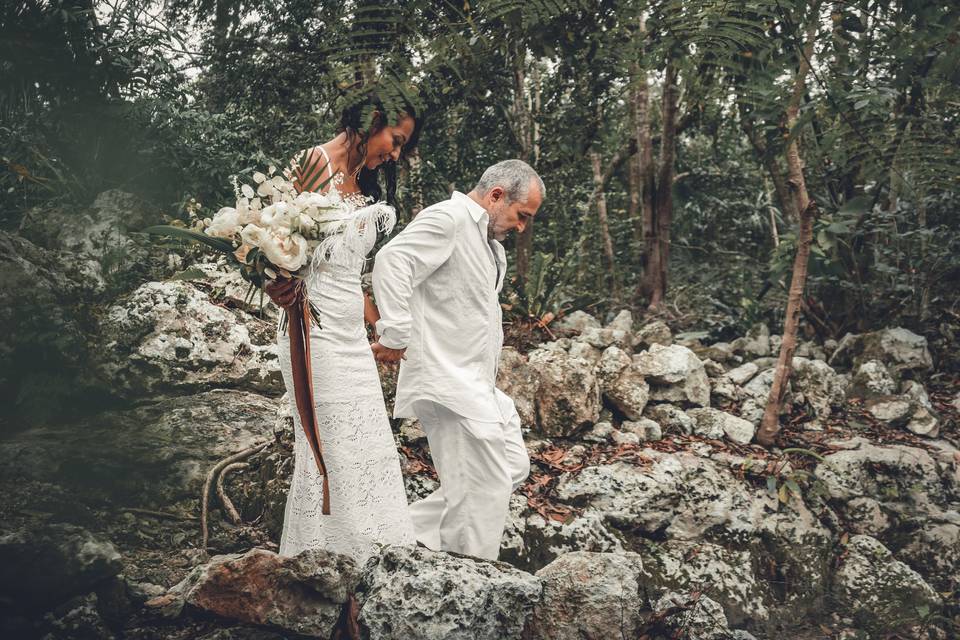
283, 291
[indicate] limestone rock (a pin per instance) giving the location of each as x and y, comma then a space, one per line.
822, 388
881, 593
625, 437
169, 336
741, 375
42, 568
590, 596
723, 389
713, 423
628, 392
695, 617
411, 592
866, 516
532, 542
934, 551
223, 283
719, 352
675, 374
892, 410
904, 478
755, 394
152, 455
101, 231
611, 363
603, 338
871, 380
724, 575
713, 368
517, 379
568, 393
670, 418
601, 432
78, 618
645, 429
585, 351
656, 332
899, 349
622, 322
302, 594
577, 321
41, 314
756, 343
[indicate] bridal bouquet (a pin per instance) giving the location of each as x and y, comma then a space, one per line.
274, 230
271, 230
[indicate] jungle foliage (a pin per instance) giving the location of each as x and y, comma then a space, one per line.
659, 126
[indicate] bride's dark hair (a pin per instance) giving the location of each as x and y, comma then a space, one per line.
355, 122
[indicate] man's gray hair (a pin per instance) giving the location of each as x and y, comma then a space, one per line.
513, 176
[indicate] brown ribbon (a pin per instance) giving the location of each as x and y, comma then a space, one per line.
298, 328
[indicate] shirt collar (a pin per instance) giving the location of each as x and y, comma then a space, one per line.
476, 211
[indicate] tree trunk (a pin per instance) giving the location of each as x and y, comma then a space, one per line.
770, 423
527, 138
415, 180
658, 259
604, 225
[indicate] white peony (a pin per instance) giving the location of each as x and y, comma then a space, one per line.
285, 250
225, 223
278, 216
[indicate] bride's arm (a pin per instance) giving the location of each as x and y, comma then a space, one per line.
371, 314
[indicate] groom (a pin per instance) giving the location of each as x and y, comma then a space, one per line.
437, 284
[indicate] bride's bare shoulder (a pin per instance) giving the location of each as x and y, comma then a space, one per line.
310, 170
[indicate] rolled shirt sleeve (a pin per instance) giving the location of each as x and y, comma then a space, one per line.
401, 265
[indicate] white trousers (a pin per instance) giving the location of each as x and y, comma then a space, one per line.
479, 464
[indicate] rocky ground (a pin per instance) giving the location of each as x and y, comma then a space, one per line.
648, 513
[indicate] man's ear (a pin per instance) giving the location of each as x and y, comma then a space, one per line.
496, 194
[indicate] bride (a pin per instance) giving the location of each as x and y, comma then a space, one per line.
367, 498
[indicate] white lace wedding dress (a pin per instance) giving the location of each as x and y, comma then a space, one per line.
368, 504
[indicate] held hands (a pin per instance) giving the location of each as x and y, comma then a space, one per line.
387, 355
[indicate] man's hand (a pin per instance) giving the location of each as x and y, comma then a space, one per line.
387, 355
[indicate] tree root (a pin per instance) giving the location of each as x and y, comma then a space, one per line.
222, 493
158, 514
211, 476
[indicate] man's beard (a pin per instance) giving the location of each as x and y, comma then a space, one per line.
493, 235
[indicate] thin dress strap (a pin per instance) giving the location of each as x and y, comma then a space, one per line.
329, 164
309, 173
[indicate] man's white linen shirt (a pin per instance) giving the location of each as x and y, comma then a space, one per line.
437, 287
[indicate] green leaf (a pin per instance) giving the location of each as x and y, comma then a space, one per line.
794, 488
219, 244
855, 206
188, 274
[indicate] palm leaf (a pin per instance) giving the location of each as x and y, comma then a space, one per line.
218, 244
